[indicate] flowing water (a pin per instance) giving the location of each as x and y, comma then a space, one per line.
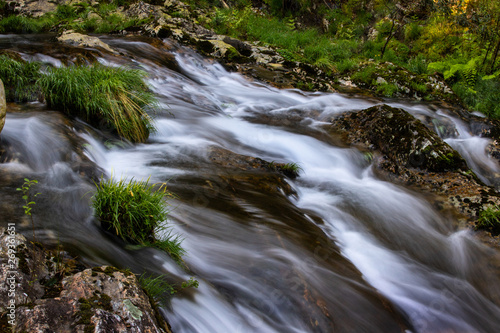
334, 250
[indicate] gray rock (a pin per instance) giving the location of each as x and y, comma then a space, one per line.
101, 299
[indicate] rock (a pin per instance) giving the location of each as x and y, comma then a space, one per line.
3, 106
35, 8
77, 39
408, 153
50, 296
402, 139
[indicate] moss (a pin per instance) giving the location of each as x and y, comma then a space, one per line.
88, 307
232, 55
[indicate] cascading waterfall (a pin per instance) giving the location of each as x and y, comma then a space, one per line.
335, 250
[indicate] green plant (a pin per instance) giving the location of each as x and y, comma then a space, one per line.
26, 25
116, 96
20, 79
158, 286
387, 89
136, 212
29, 198
489, 219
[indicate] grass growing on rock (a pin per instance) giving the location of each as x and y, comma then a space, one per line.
100, 95
19, 78
136, 211
489, 219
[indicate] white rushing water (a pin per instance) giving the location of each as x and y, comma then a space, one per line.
335, 250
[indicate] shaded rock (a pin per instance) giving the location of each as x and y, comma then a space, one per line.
3, 106
77, 39
402, 139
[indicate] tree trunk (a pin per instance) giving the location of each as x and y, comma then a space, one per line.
388, 38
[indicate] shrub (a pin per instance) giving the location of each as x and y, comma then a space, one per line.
20, 79
136, 211
114, 97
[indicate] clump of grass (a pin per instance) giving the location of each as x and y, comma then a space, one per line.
25, 25
136, 211
291, 170
116, 96
156, 287
489, 219
20, 79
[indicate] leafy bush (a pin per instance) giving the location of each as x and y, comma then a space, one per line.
136, 212
20, 79
116, 96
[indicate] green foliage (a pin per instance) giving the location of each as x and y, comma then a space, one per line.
27, 197
20, 79
417, 64
157, 287
26, 25
413, 30
387, 89
136, 212
484, 96
489, 219
366, 74
97, 94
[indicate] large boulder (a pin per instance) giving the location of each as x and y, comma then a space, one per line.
3, 106
43, 292
402, 139
406, 152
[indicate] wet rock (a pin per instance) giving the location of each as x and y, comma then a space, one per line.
52, 295
406, 152
3, 106
403, 140
77, 39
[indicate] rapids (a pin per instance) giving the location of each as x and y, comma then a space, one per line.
334, 250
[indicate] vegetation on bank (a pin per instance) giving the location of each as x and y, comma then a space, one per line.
459, 40
136, 212
116, 96
357, 39
106, 97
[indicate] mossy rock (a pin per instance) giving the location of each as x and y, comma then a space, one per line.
400, 138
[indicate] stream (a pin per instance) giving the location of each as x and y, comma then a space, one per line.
335, 250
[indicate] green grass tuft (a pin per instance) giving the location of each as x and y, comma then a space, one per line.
156, 287
136, 212
20, 79
116, 96
489, 219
